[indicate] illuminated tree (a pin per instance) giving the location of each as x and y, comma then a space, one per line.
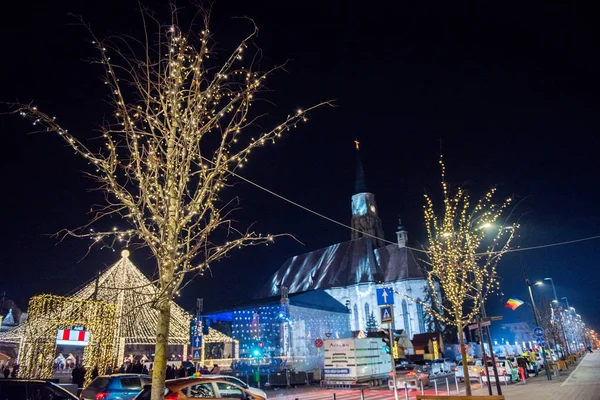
181, 126
462, 258
372, 324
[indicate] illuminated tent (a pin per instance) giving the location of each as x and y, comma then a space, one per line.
125, 285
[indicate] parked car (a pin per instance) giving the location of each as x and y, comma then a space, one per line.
444, 365
507, 371
409, 376
474, 366
32, 389
115, 387
241, 383
429, 366
203, 387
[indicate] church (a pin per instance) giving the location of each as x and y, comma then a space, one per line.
351, 271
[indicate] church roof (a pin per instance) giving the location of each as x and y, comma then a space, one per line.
124, 284
344, 264
315, 299
361, 183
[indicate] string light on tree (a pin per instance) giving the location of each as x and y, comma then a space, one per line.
181, 125
462, 257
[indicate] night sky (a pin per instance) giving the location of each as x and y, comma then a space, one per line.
507, 91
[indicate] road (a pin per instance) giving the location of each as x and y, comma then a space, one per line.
581, 382
380, 393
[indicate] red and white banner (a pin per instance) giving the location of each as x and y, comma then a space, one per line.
73, 337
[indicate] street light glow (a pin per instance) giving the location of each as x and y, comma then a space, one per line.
539, 283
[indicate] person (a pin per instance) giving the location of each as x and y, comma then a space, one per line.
216, 370
181, 371
6, 372
533, 360
144, 370
170, 372
15, 371
95, 372
522, 374
589, 346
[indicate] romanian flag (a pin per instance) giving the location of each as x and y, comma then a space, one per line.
513, 304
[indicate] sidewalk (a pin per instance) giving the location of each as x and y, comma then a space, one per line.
581, 382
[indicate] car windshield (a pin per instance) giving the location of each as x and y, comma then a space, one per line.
470, 362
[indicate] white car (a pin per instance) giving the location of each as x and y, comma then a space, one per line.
475, 366
446, 365
408, 376
239, 382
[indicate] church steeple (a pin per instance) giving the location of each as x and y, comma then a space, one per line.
361, 185
365, 220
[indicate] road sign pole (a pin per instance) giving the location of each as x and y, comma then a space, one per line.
391, 335
487, 374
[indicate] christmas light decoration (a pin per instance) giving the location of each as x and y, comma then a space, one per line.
462, 259
175, 137
126, 286
47, 314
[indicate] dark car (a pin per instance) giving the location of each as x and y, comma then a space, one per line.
118, 386
32, 389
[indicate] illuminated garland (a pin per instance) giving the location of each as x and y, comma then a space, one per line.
460, 259
47, 314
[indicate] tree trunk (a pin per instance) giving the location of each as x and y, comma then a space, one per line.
463, 354
159, 372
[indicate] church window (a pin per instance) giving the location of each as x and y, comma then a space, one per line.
421, 316
406, 317
367, 313
356, 320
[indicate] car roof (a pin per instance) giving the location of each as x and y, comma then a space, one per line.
22, 380
180, 383
127, 375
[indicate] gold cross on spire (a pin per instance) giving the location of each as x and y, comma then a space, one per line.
356, 142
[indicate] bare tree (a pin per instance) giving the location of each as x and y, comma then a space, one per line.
177, 135
462, 258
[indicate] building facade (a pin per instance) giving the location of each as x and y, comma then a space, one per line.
352, 271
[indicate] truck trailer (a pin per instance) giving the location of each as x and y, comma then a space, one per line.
355, 361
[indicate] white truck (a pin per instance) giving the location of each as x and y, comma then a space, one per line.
353, 361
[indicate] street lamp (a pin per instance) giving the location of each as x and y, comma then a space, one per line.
557, 303
553, 288
537, 322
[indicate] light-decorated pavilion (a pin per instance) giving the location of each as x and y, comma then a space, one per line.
126, 286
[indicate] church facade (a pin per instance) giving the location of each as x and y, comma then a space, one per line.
351, 271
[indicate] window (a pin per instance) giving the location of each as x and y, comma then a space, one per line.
202, 391
356, 320
236, 381
46, 392
421, 316
405, 317
99, 383
229, 391
133, 383
11, 391
367, 314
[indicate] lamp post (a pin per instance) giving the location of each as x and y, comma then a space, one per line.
561, 325
537, 323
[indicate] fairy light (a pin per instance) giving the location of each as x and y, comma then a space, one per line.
178, 131
462, 256
47, 314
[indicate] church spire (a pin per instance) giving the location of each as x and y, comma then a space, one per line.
360, 185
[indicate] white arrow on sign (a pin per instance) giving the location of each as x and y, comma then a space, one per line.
197, 341
384, 295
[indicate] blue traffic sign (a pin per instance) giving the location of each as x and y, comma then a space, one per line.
541, 342
385, 296
386, 314
539, 332
197, 354
196, 341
